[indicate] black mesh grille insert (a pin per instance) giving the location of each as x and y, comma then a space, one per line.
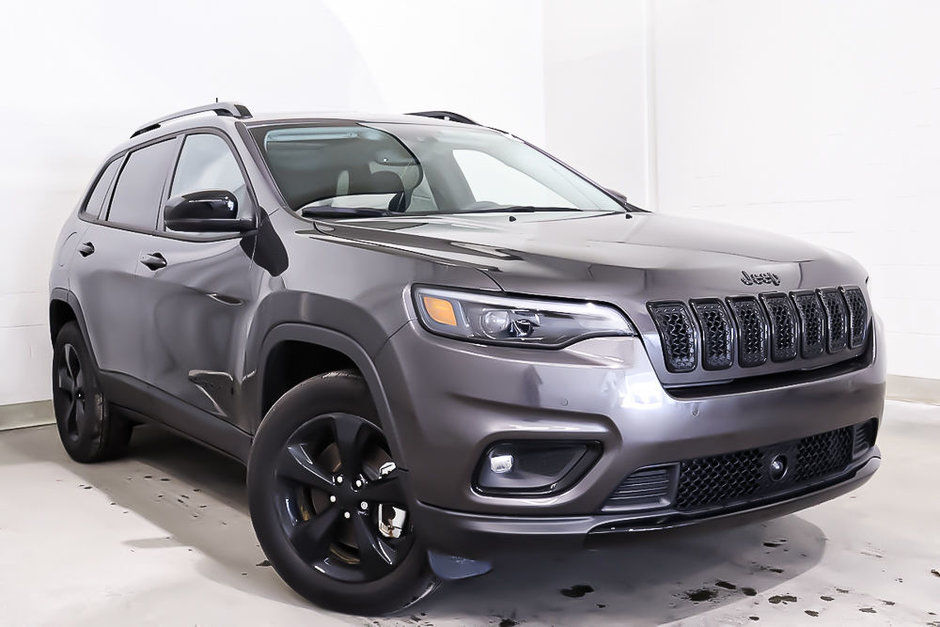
727, 480
812, 324
824, 453
678, 335
717, 336
711, 480
858, 316
837, 319
783, 329
647, 486
752, 330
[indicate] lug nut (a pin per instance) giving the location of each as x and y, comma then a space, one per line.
364, 505
339, 478
358, 483
332, 498
346, 514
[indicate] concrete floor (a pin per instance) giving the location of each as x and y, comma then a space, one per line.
163, 538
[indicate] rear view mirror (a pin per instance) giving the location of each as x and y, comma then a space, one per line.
211, 211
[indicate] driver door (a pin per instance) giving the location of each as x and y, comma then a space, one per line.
201, 288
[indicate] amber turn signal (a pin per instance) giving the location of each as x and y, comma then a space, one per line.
440, 310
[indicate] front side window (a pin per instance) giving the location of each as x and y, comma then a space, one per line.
100, 191
419, 169
206, 163
139, 189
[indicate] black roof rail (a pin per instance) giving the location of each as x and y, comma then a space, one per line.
450, 116
231, 109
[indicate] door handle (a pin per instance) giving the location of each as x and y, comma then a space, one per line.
86, 249
154, 261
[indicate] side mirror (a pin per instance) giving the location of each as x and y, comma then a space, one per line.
621, 197
211, 211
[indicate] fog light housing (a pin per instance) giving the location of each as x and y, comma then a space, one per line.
534, 467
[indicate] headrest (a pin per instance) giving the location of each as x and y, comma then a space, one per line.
381, 182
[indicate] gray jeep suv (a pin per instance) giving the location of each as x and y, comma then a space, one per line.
431, 341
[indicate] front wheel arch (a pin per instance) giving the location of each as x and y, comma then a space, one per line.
338, 344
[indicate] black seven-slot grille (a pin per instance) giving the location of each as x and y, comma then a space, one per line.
773, 326
722, 481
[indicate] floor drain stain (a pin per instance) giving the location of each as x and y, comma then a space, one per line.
702, 594
576, 592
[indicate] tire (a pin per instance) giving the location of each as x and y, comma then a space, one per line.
318, 457
89, 431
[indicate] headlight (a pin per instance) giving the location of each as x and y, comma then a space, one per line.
492, 319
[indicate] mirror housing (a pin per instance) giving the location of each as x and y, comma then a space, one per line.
621, 197
210, 211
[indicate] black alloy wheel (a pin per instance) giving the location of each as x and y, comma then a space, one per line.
89, 430
337, 487
330, 505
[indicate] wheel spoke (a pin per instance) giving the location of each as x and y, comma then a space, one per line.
71, 418
72, 363
65, 381
375, 555
79, 422
295, 464
312, 538
386, 489
349, 434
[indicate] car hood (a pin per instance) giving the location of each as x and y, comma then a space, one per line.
606, 256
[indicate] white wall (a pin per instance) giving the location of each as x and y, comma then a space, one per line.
78, 77
814, 119
596, 91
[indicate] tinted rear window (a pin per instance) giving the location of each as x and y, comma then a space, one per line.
100, 191
139, 188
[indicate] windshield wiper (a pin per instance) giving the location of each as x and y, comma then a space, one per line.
519, 209
327, 211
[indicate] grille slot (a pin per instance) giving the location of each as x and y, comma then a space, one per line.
752, 330
717, 335
645, 487
836, 318
858, 316
812, 324
783, 330
674, 324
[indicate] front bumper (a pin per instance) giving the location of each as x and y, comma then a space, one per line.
480, 536
451, 400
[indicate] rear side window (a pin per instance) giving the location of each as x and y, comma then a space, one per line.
207, 163
139, 188
100, 190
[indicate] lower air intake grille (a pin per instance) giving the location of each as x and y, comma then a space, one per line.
726, 480
824, 453
675, 329
709, 480
645, 487
864, 437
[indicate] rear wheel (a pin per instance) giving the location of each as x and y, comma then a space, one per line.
328, 504
88, 430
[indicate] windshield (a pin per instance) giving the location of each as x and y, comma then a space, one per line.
388, 169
